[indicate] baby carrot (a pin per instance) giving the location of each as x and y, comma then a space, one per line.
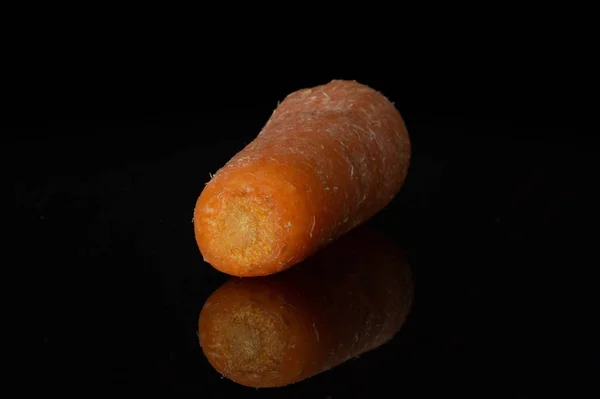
329, 158
350, 298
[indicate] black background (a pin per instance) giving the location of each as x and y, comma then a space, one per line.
111, 148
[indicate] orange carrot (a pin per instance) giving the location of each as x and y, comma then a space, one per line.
350, 298
328, 159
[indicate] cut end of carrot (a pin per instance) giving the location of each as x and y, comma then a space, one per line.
245, 229
256, 224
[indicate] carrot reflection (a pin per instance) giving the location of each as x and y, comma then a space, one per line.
351, 297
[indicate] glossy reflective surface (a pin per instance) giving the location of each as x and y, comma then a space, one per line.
491, 219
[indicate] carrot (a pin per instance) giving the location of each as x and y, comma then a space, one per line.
328, 159
350, 298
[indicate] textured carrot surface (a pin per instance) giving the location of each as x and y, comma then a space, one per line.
350, 298
329, 158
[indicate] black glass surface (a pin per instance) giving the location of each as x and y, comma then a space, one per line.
494, 217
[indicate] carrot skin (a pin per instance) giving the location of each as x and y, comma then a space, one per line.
327, 160
348, 299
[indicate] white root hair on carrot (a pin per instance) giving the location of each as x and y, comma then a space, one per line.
312, 228
373, 135
280, 265
288, 224
215, 355
316, 331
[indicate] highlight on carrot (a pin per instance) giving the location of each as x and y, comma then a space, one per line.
329, 158
348, 299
